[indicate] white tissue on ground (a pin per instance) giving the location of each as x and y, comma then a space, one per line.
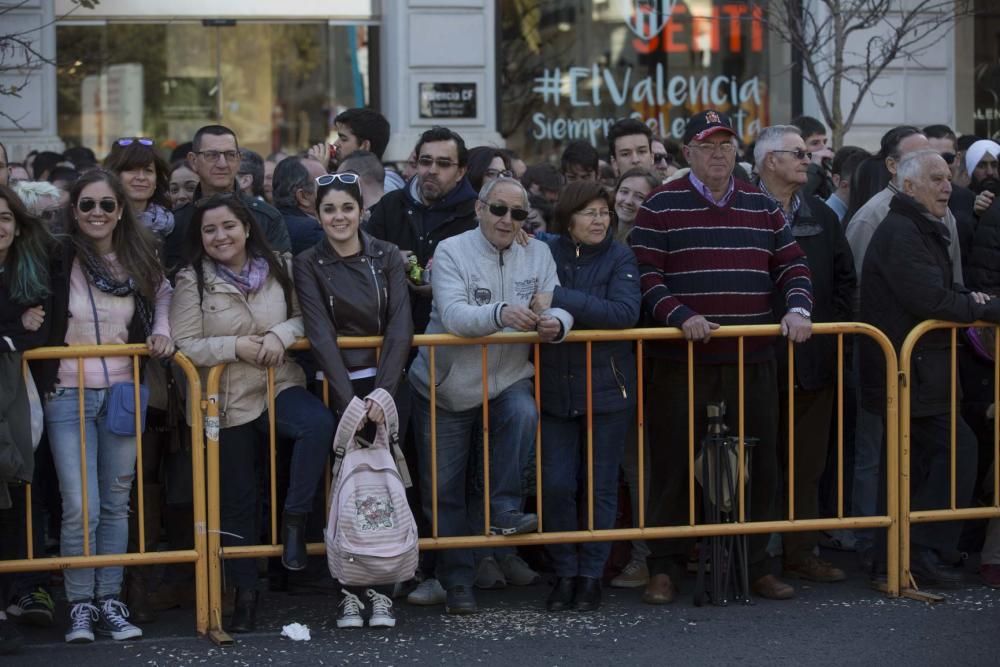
296, 632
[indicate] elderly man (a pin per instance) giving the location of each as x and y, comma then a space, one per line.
714, 250
294, 195
783, 164
483, 283
908, 277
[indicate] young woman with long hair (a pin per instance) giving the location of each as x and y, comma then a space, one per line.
234, 304
110, 290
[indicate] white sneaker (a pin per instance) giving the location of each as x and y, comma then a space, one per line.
382, 616
634, 575
430, 592
350, 611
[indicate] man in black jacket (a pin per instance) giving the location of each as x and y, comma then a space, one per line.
294, 196
783, 164
436, 204
215, 157
907, 278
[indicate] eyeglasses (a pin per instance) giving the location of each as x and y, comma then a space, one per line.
128, 141
87, 205
441, 162
346, 177
727, 148
496, 173
594, 213
663, 157
500, 211
798, 154
948, 157
213, 156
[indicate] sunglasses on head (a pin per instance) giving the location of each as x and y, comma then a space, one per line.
500, 210
343, 177
128, 141
87, 205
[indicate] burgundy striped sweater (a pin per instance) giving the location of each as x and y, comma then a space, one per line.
722, 262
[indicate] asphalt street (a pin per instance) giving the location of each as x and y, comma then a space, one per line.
826, 624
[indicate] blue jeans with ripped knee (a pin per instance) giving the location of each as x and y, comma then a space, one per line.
110, 468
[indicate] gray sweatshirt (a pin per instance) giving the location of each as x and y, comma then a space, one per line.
472, 281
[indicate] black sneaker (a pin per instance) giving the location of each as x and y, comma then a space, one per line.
82, 617
460, 600
10, 638
34, 608
114, 620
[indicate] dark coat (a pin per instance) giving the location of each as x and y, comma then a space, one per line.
175, 253
304, 231
962, 204
907, 278
363, 295
599, 287
401, 219
983, 273
821, 236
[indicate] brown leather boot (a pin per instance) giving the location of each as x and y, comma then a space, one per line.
772, 588
659, 590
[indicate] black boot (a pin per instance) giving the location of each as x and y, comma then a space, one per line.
561, 597
244, 611
587, 594
293, 553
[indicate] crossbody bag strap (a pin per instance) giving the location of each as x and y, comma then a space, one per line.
97, 332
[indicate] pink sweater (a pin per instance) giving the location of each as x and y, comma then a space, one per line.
114, 313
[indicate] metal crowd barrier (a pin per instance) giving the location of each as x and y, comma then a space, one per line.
907, 515
197, 555
692, 529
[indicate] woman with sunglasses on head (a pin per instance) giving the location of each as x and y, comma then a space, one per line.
351, 284
599, 286
145, 176
25, 305
234, 304
110, 290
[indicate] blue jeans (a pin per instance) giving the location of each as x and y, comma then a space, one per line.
299, 416
513, 420
564, 479
110, 462
868, 445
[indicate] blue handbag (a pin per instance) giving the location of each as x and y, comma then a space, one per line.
119, 407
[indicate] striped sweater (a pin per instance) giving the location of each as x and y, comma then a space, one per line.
722, 262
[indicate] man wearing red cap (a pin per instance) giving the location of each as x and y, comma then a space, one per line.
713, 251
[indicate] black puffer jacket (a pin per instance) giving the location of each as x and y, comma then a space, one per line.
363, 295
907, 278
983, 273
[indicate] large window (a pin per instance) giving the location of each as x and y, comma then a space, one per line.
278, 85
569, 68
987, 68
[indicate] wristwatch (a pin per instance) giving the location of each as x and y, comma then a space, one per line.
801, 311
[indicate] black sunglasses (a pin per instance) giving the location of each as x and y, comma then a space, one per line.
948, 157
663, 157
128, 141
344, 177
500, 211
87, 205
798, 153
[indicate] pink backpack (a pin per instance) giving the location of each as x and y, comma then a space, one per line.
371, 536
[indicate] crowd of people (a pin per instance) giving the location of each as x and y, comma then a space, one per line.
229, 258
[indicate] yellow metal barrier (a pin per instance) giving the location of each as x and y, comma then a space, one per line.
908, 516
217, 553
197, 556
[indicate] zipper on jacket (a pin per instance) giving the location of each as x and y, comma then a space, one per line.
378, 294
619, 379
578, 251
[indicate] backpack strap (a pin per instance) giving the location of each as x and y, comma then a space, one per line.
388, 433
346, 430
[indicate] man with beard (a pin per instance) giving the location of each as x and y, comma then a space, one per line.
984, 258
436, 204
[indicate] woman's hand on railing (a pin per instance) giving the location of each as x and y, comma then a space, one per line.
272, 351
160, 347
248, 348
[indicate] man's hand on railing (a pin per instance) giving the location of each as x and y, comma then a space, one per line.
980, 297
548, 328
541, 302
798, 329
698, 329
518, 317
160, 346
